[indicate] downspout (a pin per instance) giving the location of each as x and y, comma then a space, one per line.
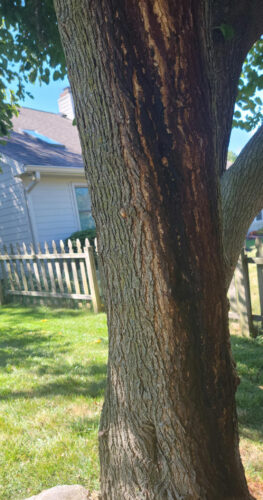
27, 190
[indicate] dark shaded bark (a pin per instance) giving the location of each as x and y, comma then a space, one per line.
154, 103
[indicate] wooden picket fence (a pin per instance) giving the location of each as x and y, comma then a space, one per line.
69, 274
240, 291
57, 274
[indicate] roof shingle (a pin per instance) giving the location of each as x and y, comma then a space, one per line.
31, 151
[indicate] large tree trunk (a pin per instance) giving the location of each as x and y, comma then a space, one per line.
149, 79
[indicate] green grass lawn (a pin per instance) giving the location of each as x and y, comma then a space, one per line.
52, 379
248, 354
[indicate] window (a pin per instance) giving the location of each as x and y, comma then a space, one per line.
259, 216
84, 207
43, 138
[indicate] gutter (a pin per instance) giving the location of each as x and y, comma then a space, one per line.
35, 180
27, 190
52, 169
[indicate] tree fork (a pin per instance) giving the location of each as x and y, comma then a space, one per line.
148, 79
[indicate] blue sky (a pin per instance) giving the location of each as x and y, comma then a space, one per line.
238, 139
46, 97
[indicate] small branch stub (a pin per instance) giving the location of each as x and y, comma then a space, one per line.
123, 213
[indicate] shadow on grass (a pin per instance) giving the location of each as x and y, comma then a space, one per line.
43, 355
39, 312
248, 354
22, 348
68, 386
76, 369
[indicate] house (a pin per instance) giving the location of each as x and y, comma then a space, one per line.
43, 190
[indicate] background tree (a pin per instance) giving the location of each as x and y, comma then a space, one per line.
154, 85
250, 82
231, 156
30, 51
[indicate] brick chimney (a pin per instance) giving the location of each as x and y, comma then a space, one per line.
65, 104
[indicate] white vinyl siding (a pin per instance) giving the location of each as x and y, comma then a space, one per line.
54, 208
14, 223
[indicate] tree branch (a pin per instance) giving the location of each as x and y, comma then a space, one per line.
242, 198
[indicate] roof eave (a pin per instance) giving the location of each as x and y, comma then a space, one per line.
54, 170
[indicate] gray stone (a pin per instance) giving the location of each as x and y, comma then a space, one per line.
65, 492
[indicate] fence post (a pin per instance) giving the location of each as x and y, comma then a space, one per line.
91, 270
233, 300
3, 282
259, 253
244, 298
2, 291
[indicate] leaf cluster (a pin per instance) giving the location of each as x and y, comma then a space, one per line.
81, 236
30, 51
249, 104
231, 156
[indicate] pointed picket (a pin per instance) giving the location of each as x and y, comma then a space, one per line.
65, 268
35, 267
3, 269
42, 268
8, 268
92, 275
50, 268
3, 280
82, 269
15, 269
22, 269
74, 269
57, 268
28, 267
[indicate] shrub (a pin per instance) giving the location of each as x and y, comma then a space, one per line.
82, 235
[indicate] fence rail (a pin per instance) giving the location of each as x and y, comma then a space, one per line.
57, 273
69, 273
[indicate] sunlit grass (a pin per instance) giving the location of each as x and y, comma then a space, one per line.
248, 354
52, 379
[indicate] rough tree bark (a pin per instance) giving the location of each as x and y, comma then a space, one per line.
154, 85
242, 198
